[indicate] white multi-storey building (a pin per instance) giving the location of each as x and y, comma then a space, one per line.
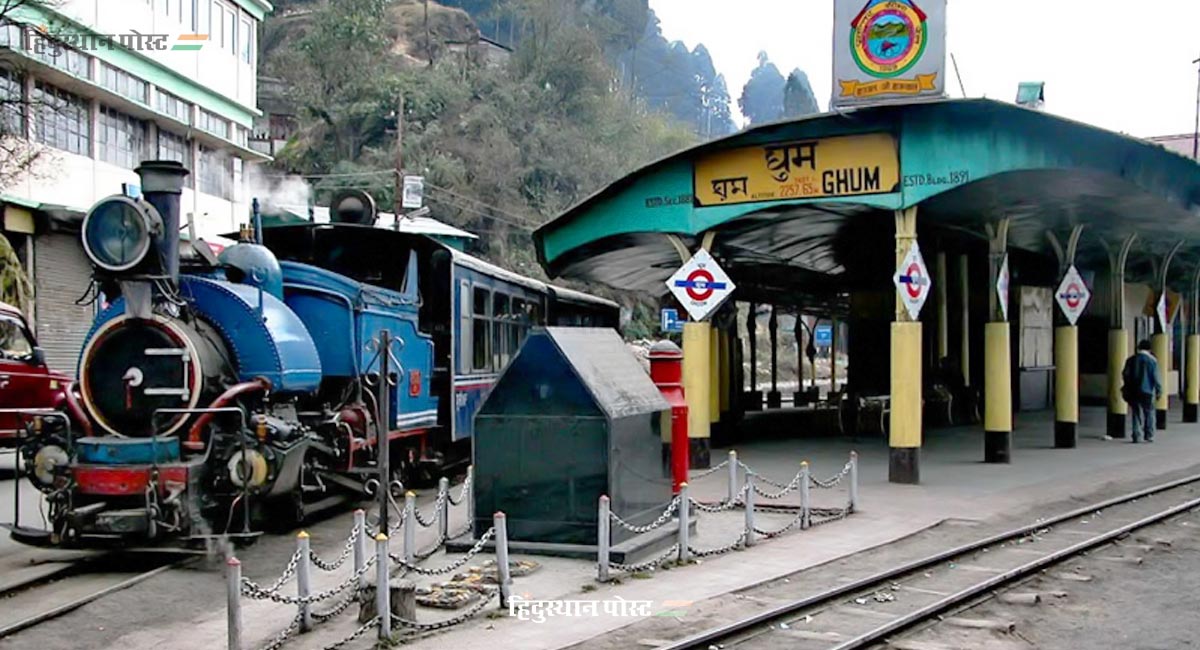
96, 86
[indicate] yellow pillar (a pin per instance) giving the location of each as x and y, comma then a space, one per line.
726, 359
696, 378
1191, 402
1160, 344
1118, 351
1066, 386
997, 386
714, 375
997, 365
904, 437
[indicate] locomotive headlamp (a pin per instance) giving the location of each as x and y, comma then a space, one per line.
119, 232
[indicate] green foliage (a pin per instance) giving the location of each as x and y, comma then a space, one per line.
798, 97
767, 96
503, 148
15, 288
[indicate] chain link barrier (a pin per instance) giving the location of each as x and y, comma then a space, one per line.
449, 568
721, 550
738, 502
362, 629
464, 493
713, 470
649, 564
832, 481
657, 523
330, 567
437, 512
465, 616
278, 640
257, 592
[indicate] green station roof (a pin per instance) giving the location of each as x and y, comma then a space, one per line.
963, 163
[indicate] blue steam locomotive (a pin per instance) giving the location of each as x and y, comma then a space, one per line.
211, 395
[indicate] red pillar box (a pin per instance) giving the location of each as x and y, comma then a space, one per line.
666, 370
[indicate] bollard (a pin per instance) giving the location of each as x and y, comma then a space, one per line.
749, 512
360, 546
383, 591
853, 481
683, 522
603, 538
233, 583
502, 570
443, 513
805, 504
469, 497
410, 526
733, 486
303, 580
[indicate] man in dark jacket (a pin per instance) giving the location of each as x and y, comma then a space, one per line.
1141, 387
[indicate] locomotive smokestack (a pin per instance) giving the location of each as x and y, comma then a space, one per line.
162, 185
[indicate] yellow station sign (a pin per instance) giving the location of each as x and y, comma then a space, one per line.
806, 169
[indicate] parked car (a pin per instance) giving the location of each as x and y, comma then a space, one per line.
25, 380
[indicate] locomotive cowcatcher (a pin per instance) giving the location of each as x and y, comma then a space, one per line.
216, 394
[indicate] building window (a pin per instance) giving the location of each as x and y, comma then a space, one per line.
174, 147
174, 107
213, 123
247, 42
122, 138
241, 135
216, 173
61, 119
10, 35
124, 84
48, 50
12, 112
231, 29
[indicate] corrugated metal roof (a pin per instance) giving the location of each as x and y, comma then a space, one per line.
609, 370
415, 226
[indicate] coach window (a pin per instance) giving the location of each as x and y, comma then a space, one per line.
520, 325
480, 328
501, 323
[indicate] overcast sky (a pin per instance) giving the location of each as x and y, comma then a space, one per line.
1125, 66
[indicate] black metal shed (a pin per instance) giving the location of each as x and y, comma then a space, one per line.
574, 416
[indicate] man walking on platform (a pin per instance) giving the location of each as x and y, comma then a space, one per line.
1141, 388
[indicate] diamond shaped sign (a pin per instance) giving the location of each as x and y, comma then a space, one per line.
701, 286
912, 281
1002, 279
1072, 295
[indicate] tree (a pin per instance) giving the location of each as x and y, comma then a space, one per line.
762, 96
798, 97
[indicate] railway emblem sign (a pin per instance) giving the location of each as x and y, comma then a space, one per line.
1072, 295
888, 50
701, 286
1161, 310
1002, 280
912, 281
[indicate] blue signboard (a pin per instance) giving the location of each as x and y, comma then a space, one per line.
670, 321
823, 336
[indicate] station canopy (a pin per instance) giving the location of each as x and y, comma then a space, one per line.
803, 209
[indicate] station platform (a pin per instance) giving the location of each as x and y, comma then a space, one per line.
956, 487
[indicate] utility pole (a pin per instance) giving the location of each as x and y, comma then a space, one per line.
1196, 132
398, 199
428, 39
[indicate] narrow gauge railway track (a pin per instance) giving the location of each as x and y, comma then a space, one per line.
869, 610
34, 602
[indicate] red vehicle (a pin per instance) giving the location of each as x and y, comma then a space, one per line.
25, 380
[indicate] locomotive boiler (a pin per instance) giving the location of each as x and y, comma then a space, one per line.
218, 393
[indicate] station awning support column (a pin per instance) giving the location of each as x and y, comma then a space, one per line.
774, 397
965, 300
943, 309
1191, 401
833, 355
904, 437
1066, 356
753, 397
1161, 344
697, 376
997, 364
1118, 338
